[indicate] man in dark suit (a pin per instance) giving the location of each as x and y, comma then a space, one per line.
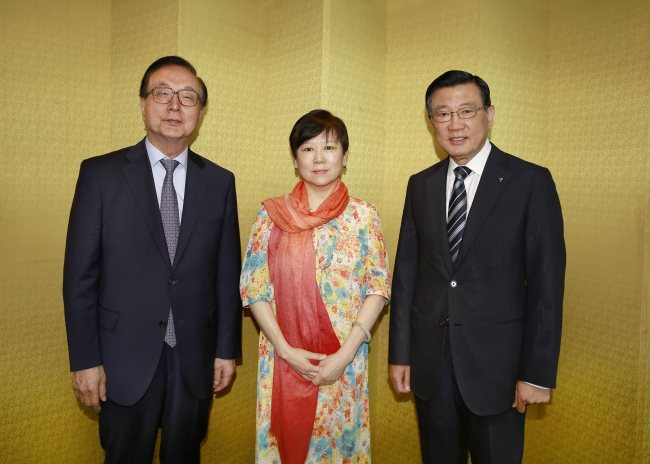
478, 287
151, 278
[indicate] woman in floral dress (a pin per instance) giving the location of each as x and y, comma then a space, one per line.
316, 278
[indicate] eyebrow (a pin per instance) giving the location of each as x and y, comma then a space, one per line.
461, 105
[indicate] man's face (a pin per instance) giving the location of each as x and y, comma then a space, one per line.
171, 123
462, 139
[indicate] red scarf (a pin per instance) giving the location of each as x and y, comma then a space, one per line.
300, 312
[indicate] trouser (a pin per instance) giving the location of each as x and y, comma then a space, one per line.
449, 430
129, 433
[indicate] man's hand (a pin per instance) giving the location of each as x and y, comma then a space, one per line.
401, 377
224, 369
526, 393
89, 386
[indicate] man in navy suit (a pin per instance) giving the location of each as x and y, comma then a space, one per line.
151, 278
476, 315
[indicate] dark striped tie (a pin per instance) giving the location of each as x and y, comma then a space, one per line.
457, 216
171, 226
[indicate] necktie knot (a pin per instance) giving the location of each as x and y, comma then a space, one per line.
169, 165
462, 172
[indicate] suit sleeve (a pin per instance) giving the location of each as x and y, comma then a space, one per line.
404, 279
81, 272
545, 269
228, 266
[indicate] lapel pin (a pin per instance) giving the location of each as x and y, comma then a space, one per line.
500, 179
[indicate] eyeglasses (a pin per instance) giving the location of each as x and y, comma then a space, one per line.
164, 95
466, 112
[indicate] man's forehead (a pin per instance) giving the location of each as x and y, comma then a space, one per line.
458, 96
173, 75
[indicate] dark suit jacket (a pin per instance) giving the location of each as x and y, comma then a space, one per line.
118, 283
503, 296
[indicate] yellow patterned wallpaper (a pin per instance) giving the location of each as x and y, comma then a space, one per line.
571, 90
599, 100
55, 76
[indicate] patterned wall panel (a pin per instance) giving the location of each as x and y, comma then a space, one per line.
55, 77
356, 75
293, 70
598, 72
514, 62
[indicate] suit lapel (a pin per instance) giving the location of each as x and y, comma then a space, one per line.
494, 179
140, 179
195, 185
437, 199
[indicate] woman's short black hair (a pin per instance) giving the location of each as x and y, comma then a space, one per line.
172, 61
315, 123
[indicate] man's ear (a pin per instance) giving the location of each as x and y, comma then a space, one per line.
142, 103
490, 116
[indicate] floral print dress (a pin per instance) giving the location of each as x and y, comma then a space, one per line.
351, 264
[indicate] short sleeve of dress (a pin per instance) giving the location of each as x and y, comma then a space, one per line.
376, 279
254, 284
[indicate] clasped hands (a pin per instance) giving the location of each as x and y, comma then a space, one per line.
328, 370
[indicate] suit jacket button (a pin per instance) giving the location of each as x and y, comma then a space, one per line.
162, 324
441, 323
453, 284
172, 281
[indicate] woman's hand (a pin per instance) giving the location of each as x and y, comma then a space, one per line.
331, 368
299, 359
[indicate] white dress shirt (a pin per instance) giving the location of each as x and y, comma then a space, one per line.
159, 173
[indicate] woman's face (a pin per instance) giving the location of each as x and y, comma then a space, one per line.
320, 161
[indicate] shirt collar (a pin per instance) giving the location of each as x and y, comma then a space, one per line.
156, 155
476, 164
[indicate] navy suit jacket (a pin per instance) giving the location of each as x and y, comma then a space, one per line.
503, 296
119, 284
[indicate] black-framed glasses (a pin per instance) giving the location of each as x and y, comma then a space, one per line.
466, 112
164, 95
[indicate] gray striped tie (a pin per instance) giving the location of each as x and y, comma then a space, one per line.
171, 225
457, 216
